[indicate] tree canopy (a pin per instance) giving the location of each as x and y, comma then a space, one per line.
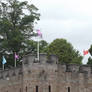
65, 52
16, 26
90, 50
17, 19
90, 58
32, 46
89, 61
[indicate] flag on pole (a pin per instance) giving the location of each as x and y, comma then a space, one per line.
39, 33
4, 60
16, 56
85, 52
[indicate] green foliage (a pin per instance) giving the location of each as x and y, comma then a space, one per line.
89, 61
90, 50
17, 21
32, 46
64, 51
43, 46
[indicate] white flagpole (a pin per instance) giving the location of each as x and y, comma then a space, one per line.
38, 49
38, 43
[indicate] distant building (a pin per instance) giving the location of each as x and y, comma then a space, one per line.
46, 76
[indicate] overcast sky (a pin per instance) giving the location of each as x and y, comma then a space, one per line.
69, 19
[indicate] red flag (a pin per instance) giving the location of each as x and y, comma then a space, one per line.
85, 52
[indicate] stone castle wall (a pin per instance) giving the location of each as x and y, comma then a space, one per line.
46, 76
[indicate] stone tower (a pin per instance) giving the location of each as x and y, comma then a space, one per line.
46, 76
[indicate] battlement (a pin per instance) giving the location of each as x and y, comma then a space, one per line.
52, 59
9, 73
79, 68
43, 59
86, 69
52, 62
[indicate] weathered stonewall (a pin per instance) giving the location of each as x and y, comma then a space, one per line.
46, 75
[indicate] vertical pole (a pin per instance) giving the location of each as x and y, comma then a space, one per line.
38, 50
15, 62
22, 77
3, 66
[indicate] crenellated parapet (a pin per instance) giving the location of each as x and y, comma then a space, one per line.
53, 60
50, 62
10, 73
83, 68
43, 59
76, 68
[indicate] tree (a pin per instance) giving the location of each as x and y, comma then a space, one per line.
65, 52
90, 59
43, 46
17, 21
32, 46
90, 50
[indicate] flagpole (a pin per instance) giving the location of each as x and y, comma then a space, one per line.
3, 66
15, 59
15, 62
38, 49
